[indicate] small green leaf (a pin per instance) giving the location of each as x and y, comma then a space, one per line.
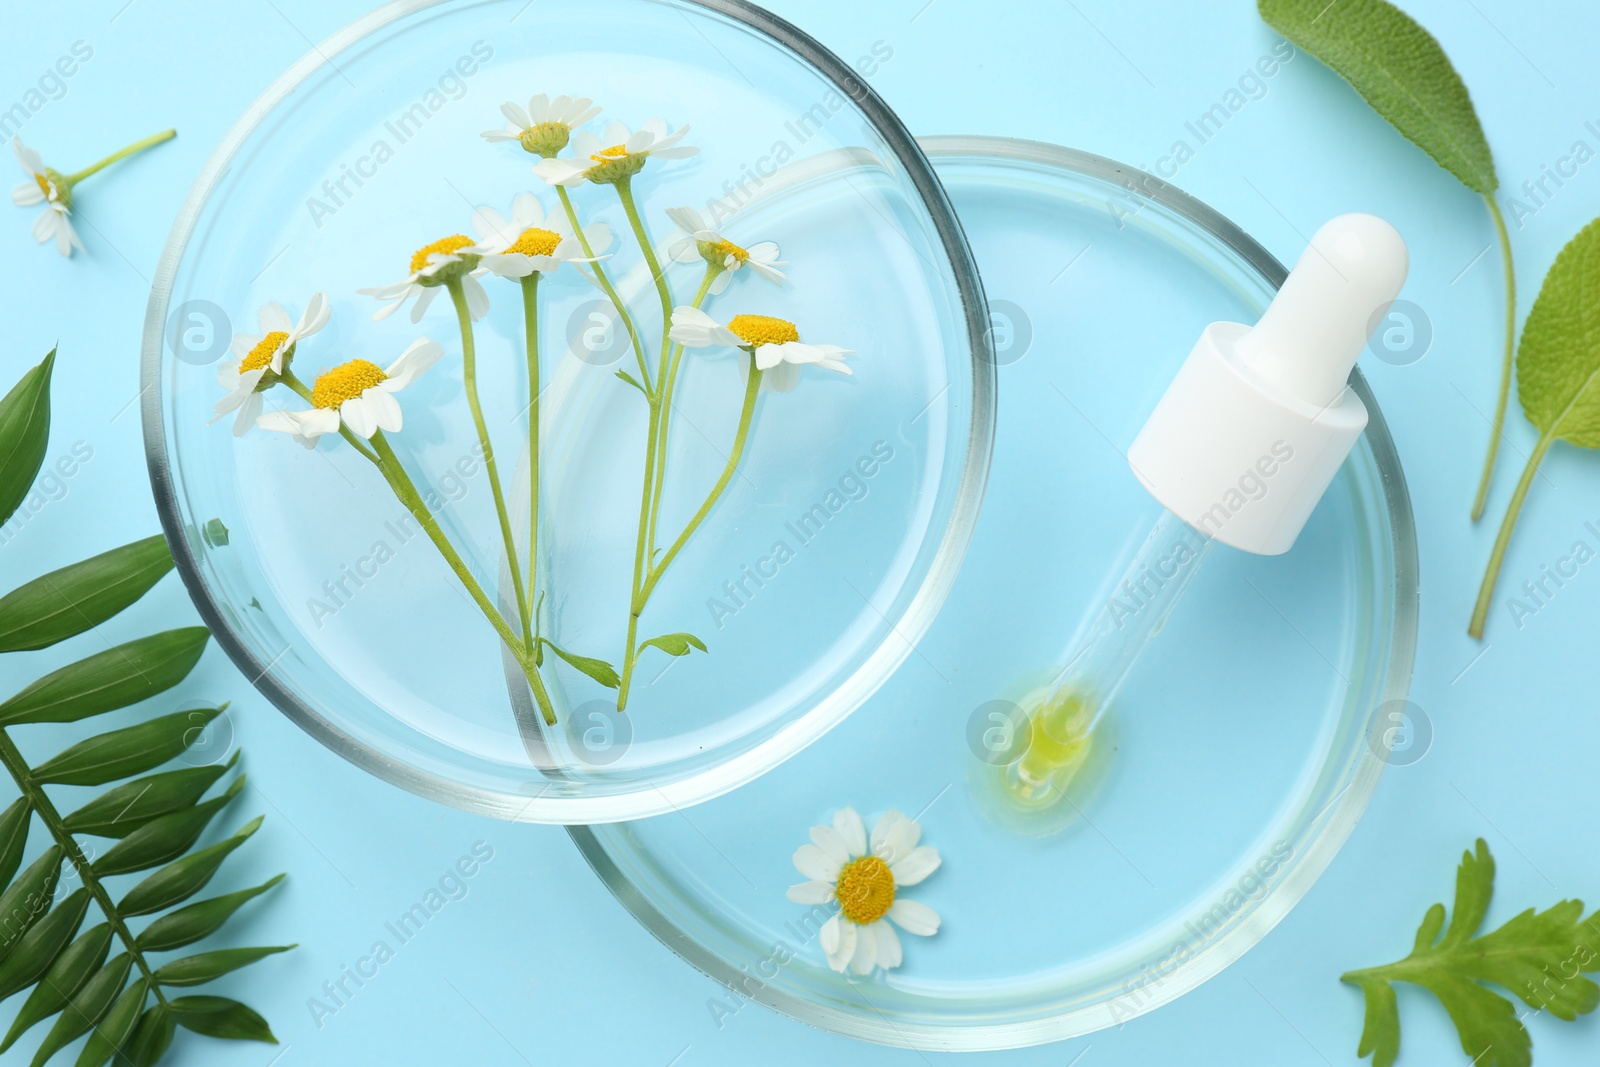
122, 810
598, 669
24, 435
181, 879
675, 644
215, 533
152, 1037
39, 948
80, 596
208, 966
196, 921
13, 838
89, 1005
1558, 379
625, 376
131, 750
111, 679
221, 1017
25, 902
163, 839
111, 1032
1400, 70
66, 976
1520, 956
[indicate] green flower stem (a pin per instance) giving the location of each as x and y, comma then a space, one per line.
133, 149
606, 287
669, 384
1480, 613
530, 325
1505, 362
741, 435
45, 808
640, 234
469, 372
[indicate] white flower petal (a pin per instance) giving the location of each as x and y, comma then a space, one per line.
515, 114
425, 296
249, 412
889, 952
316, 315
895, 836
915, 865
383, 408
409, 365
828, 840
782, 378
865, 956
812, 892
477, 297
27, 194
815, 864
914, 918
361, 418
495, 232
851, 830
273, 319
838, 940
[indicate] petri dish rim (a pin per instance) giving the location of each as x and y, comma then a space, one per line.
1341, 816
673, 795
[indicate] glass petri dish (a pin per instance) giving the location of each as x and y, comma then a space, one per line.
347, 619
1245, 746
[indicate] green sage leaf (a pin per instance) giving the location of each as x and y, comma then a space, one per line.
122, 810
181, 879
165, 838
24, 435
598, 669
1400, 70
14, 825
131, 750
111, 679
208, 966
221, 1017
39, 948
89, 1005
66, 976
80, 596
675, 644
199, 920
152, 1037
25, 902
114, 1030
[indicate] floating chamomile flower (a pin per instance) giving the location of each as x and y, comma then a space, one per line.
702, 242
617, 156
546, 124
46, 186
864, 882
449, 259
259, 360
529, 241
775, 344
357, 394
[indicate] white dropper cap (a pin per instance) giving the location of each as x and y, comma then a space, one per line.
1258, 420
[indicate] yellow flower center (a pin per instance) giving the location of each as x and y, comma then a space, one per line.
610, 155
446, 245
261, 355
865, 890
727, 248
345, 382
536, 242
45, 187
757, 330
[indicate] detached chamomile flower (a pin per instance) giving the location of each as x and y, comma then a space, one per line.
529, 241
774, 343
617, 156
700, 241
449, 259
864, 878
260, 359
358, 395
546, 124
53, 189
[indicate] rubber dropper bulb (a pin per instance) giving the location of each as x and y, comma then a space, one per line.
1315, 328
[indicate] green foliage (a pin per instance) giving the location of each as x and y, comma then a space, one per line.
674, 644
598, 669
1400, 70
123, 1002
1541, 956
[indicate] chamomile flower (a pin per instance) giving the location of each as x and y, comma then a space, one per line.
775, 344
260, 359
529, 241
46, 186
864, 878
448, 259
615, 157
358, 395
545, 125
700, 241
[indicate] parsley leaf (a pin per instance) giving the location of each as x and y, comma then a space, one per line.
1538, 955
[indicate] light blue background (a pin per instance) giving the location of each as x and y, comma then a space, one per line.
538, 964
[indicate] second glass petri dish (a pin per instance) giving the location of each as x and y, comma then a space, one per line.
1242, 751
